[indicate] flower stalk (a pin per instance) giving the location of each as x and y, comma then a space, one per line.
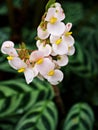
58, 100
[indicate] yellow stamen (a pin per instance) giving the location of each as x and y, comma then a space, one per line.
58, 41
68, 33
53, 20
40, 61
21, 70
51, 73
10, 57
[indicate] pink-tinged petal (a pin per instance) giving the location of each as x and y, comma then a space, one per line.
46, 49
17, 63
69, 40
56, 78
42, 34
62, 60
50, 14
60, 13
8, 48
29, 74
44, 68
56, 29
71, 50
6, 45
60, 49
11, 51
68, 27
35, 55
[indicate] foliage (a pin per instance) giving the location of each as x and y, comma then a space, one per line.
31, 107
80, 117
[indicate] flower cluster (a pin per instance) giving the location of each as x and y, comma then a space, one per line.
54, 45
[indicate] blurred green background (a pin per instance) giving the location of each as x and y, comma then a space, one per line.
18, 22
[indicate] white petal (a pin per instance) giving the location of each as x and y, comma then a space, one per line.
56, 29
35, 55
53, 38
45, 66
42, 34
69, 40
46, 49
59, 14
38, 43
17, 63
62, 61
50, 14
6, 44
11, 51
8, 48
56, 78
68, 27
57, 4
29, 75
71, 50
60, 49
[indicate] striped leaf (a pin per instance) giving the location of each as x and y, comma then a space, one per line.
80, 117
43, 116
16, 97
81, 63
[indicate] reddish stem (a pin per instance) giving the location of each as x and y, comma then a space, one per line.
58, 101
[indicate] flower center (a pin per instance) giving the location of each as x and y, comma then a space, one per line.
58, 41
51, 73
21, 70
68, 33
10, 57
53, 20
40, 61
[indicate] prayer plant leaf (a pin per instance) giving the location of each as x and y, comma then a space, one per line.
43, 116
16, 97
74, 12
80, 117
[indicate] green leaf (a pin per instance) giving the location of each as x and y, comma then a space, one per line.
80, 117
16, 97
50, 2
74, 12
4, 34
43, 116
3, 9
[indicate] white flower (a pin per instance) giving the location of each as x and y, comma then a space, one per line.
8, 48
42, 33
54, 76
59, 45
71, 50
21, 66
45, 48
67, 35
36, 55
42, 64
62, 60
54, 25
56, 4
